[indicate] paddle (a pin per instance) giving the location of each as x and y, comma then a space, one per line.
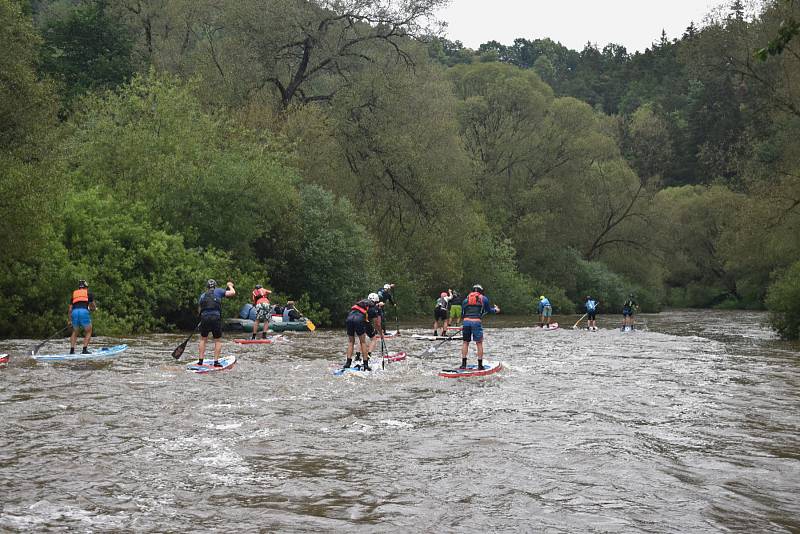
311, 326
433, 348
40, 345
575, 326
383, 353
396, 319
178, 352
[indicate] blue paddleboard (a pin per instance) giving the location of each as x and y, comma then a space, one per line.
95, 354
208, 365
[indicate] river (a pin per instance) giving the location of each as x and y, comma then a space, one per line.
690, 424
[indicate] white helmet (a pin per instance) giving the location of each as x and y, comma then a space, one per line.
374, 297
387, 287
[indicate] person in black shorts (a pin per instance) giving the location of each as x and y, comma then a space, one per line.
210, 305
363, 320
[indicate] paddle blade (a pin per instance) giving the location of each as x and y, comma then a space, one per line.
178, 352
310, 325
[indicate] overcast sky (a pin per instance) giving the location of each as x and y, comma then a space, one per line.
635, 24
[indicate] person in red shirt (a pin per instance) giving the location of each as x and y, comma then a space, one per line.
261, 303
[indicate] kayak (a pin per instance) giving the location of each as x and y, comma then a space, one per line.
208, 365
395, 357
437, 338
267, 341
472, 370
105, 352
552, 326
294, 326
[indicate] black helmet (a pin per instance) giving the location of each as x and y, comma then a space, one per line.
211, 283
82, 283
478, 288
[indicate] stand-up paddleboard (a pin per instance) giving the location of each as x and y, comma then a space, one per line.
357, 370
267, 341
395, 357
628, 328
551, 326
459, 328
472, 370
95, 354
3, 358
437, 338
391, 333
208, 365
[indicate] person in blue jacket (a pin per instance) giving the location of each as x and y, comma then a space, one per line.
591, 312
385, 296
474, 307
210, 305
545, 312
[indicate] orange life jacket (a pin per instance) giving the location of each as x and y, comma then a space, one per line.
474, 307
260, 296
80, 295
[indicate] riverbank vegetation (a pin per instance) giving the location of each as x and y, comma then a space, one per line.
323, 148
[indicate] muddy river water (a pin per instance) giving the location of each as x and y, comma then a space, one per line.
690, 424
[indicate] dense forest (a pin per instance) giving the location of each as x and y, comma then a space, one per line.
324, 147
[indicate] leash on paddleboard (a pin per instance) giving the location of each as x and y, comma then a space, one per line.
38, 347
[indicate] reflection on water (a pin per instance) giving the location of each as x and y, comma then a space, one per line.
688, 425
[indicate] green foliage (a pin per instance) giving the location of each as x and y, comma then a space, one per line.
783, 302
27, 105
86, 48
152, 143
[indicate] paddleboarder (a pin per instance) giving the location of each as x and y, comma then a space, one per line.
455, 310
260, 298
441, 312
590, 305
545, 312
385, 295
210, 306
80, 305
474, 307
363, 320
628, 309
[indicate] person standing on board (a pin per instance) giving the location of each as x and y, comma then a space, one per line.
260, 298
591, 312
441, 312
455, 310
545, 312
210, 305
628, 309
474, 307
363, 320
385, 295
79, 317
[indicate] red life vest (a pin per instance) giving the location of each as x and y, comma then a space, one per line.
362, 306
474, 307
80, 295
260, 296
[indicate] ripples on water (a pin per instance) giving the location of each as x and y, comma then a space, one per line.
689, 425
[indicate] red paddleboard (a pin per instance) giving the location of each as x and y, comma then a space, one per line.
551, 326
395, 357
472, 370
4, 358
455, 327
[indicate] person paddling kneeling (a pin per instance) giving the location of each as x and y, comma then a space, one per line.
474, 307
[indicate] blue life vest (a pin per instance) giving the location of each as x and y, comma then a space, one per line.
591, 305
